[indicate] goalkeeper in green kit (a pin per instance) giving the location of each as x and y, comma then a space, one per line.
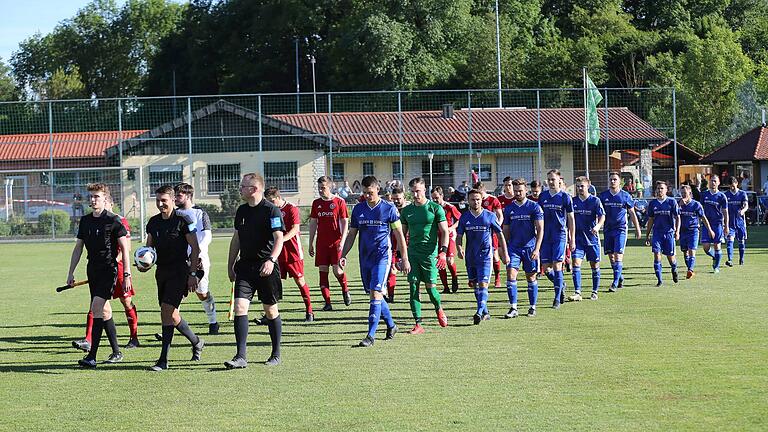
425, 226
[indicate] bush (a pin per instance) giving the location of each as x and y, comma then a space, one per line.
50, 219
20, 227
5, 229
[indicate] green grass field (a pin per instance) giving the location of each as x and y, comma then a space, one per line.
692, 356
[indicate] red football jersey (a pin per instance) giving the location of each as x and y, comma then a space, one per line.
505, 201
491, 203
292, 250
328, 214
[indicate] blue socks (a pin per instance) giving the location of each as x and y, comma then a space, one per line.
550, 274
716, 260
742, 247
690, 262
657, 269
710, 252
595, 279
482, 307
576, 278
617, 267
512, 291
533, 292
557, 280
673, 265
386, 314
374, 315
729, 249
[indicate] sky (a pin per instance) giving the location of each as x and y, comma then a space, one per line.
21, 19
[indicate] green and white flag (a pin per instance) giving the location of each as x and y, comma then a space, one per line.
592, 123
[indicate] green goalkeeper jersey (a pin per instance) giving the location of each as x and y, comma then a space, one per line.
422, 222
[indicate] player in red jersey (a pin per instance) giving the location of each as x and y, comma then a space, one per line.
291, 259
535, 191
126, 298
452, 216
492, 204
328, 223
507, 193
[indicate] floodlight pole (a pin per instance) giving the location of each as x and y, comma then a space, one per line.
498, 54
431, 156
314, 85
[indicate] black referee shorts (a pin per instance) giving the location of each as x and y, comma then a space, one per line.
172, 284
248, 280
101, 280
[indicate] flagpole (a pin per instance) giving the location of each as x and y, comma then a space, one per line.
586, 126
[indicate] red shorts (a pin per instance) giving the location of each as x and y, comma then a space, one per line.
293, 269
327, 254
451, 248
118, 291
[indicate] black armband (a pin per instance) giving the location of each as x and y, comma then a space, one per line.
442, 249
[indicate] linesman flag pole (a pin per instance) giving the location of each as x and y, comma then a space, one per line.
592, 98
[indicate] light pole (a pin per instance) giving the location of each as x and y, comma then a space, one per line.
314, 88
298, 88
430, 155
479, 154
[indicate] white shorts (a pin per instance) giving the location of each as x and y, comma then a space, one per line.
202, 284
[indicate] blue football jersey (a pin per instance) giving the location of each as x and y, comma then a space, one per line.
736, 201
664, 214
478, 239
373, 229
555, 208
521, 219
713, 204
616, 207
690, 215
586, 212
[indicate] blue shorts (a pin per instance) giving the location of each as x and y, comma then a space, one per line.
718, 229
664, 243
374, 275
739, 232
552, 252
591, 252
689, 240
615, 242
518, 256
480, 273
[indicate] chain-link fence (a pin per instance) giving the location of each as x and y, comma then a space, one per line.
447, 137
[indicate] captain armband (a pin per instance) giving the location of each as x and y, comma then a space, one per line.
396, 224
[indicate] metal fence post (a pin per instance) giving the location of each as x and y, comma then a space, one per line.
51, 178
261, 139
607, 138
120, 130
142, 204
674, 134
330, 137
538, 134
189, 139
469, 137
400, 134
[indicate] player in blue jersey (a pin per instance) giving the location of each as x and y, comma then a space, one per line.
691, 212
524, 231
375, 219
716, 210
617, 204
664, 223
479, 225
737, 224
589, 218
558, 215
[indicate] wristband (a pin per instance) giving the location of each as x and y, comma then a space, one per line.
126, 275
442, 249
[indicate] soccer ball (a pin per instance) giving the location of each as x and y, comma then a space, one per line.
145, 257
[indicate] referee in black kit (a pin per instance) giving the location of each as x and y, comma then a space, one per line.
257, 240
100, 232
170, 234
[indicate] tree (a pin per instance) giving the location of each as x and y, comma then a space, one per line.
8, 90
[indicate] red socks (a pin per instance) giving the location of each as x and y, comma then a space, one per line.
133, 321
305, 296
444, 278
497, 272
89, 327
343, 282
324, 289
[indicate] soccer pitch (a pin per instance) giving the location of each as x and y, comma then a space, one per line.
691, 356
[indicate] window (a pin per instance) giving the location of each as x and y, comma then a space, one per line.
160, 175
74, 181
367, 169
485, 172
283, 175
397, 170
338, 172
221, 176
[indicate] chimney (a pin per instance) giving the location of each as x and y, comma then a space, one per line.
448, 111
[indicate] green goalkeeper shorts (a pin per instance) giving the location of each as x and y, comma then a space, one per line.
423, 269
